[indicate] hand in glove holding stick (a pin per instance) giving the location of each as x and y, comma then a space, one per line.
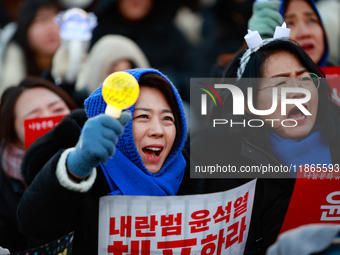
96, 143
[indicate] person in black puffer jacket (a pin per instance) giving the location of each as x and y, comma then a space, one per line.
65, 186
315, 138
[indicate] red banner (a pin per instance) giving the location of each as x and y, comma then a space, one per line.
34, 128
333, 78
315, 199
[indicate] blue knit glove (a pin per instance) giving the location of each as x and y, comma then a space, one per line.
96, 143
265, 18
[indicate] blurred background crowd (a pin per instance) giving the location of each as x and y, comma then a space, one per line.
181, 38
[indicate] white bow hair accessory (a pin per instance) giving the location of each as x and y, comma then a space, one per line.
255, 42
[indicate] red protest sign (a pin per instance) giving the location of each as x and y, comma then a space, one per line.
34, 128
315, 199
332, 74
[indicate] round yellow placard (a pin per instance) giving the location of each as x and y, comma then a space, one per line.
120, 91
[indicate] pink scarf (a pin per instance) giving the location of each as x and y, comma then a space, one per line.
11, 161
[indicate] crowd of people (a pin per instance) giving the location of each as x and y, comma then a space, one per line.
54, 186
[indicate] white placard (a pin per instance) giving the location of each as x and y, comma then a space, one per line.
216, 223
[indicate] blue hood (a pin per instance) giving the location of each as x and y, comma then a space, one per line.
95, 105
323, 61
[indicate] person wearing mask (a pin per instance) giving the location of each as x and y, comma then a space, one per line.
67, 172
32, 98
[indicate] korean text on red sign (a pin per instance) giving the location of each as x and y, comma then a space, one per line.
34, 128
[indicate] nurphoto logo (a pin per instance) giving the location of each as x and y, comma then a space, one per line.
239, 104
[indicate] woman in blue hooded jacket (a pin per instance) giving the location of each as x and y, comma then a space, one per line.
301, 16
67, 172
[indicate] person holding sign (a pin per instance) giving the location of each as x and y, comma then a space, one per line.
32, 98
82, 159
285, 142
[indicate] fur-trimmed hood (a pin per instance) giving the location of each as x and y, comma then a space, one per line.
108, 50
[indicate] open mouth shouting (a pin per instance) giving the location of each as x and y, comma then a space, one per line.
296, 114
307, 47
153, 152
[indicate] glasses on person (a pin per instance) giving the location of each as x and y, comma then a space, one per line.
308, 81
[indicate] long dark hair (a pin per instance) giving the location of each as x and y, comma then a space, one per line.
11, 95
328, 115
153, 80
26, 16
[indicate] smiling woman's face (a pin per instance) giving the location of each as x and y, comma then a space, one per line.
153, 128
278, 65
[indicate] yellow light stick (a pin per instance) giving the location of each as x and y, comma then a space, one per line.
120, 91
